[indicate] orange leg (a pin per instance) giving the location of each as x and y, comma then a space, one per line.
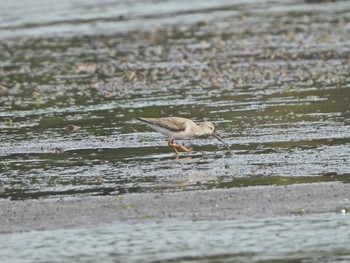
170, 143
185, 149
174, 146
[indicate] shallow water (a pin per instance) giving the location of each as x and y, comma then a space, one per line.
273, 76
273, 80
312, 238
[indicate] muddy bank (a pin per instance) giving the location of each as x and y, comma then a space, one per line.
260, 201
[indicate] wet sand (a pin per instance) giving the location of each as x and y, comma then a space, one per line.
219, 204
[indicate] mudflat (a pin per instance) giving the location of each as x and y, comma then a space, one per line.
218, 204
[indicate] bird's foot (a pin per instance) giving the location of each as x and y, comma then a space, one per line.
185, 149
176, 146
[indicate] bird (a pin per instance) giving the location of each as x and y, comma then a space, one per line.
180, 128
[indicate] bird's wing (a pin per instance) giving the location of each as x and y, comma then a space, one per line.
173, 124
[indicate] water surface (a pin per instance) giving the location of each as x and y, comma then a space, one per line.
272, 76
312, 238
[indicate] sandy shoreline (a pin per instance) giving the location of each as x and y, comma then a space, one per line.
259, 201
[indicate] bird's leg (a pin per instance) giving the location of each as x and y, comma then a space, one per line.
185, 149
174, 146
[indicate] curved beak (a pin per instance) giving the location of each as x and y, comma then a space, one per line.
224, 143
217, 137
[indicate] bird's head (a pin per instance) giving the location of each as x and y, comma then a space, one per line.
209, 129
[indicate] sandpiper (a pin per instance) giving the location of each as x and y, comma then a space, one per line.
180, 128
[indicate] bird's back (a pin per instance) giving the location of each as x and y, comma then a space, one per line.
173, 124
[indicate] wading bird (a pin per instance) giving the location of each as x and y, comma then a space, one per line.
180, 128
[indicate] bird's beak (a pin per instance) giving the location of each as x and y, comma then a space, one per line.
217, 137
224, 143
